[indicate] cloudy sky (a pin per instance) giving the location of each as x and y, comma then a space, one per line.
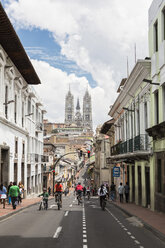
84, 43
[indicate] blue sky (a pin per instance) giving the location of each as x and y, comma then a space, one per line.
76, 43
40, 44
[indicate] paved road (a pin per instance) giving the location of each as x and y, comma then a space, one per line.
84, 226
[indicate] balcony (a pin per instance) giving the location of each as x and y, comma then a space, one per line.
139, 143
39, 127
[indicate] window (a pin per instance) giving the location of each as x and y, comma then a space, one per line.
163, 92
163, 24
156, 107
145, 116
23, 148
29, 106
87, 117
6, 102
33, 112
22, 114
156, 36
16, 147
15, 109
138, 122
69, 117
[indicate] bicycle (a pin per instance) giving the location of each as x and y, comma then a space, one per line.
88, 194
79, 198
58, 200
43, 204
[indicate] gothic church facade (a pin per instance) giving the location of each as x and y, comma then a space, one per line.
80, 119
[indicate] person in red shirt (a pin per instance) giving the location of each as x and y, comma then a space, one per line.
58, 189
79, 189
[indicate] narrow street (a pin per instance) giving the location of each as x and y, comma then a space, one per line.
75, 225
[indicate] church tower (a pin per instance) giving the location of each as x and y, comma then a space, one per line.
87, 111
69, 108
78, 118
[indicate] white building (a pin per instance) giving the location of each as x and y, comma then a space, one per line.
21, 113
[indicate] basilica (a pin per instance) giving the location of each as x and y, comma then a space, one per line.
80, 119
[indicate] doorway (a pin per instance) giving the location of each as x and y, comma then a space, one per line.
147, 177
4, 166
139, 186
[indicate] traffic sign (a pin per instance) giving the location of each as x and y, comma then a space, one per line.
116, 171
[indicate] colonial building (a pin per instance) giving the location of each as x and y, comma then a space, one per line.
157, 121
21, 113
83, 119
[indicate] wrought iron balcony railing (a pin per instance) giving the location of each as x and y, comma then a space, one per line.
138, 143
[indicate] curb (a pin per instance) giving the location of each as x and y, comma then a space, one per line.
152, 229
16, 211
19, 210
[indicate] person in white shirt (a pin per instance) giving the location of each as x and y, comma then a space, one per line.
121, 191
102, 192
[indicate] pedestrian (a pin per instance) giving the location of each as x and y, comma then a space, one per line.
9, 197
21, 190
121, 191
107, 187
126, 190
3, 194
49, 190
14, 192
112, 191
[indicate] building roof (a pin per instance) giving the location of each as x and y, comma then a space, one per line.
106, 126
11, 43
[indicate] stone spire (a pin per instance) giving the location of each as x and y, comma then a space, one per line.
78, 104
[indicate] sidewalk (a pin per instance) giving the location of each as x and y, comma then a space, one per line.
154, 221
8, 211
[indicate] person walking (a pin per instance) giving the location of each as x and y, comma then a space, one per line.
126, 190
121, 191
49, 190
112, 191
8, 188
14, 192
3, 194
21, 190
107, 187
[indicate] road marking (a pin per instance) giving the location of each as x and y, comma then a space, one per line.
70, 205
84, 235
66, 214
84, 227
51, 206
136, 241
85, 246
57, 233
84, 231
84, 240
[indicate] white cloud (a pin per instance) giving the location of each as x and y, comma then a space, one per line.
97, 35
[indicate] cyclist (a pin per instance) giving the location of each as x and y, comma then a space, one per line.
45, 197
88, 192
58, 189
79, 189
102, 193
84, 191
